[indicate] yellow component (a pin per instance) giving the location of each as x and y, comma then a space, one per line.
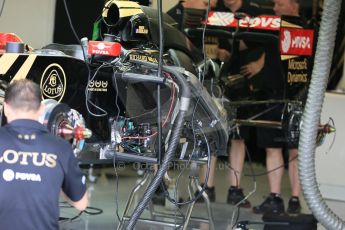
25, 68
142, 30
290, 25
138, 57
126, 8
332, 129
87, 133
6, 61
286, 57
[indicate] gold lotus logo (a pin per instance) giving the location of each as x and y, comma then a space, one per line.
53, 82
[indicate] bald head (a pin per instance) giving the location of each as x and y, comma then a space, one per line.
286, 7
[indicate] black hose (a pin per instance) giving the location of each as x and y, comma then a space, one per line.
175, 138
177, 128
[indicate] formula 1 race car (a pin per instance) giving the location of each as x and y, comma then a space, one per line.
113, 89
122, 98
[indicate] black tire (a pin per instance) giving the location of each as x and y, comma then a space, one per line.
57, 117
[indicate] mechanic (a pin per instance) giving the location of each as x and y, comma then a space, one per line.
180, 13
247, 59
269, 139
35, 165
177, 11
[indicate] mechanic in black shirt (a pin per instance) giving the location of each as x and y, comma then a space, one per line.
35, 166
177, 12
270, 138
247, 59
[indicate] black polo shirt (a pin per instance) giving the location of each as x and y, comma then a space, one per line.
34, 167
177, 14
241, 57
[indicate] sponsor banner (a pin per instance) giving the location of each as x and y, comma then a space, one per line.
104, 48
296, 41
227, 19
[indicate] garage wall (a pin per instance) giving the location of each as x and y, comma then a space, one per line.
330, 156
31, 20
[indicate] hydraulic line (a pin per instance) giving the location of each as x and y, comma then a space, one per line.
173, 142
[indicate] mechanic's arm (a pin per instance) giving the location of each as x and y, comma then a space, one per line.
252, 68
224, 55
74, 183
80, 204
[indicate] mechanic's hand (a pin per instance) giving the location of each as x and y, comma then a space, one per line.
223, 55
251, 69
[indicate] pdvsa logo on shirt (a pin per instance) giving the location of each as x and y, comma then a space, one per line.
9, 175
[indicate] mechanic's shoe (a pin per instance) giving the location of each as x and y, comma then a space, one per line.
211, 193
273, 204
158, 197
235, 195
294, 206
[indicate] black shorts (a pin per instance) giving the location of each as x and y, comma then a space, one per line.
243, 132
292, 145
240, 133
271, 137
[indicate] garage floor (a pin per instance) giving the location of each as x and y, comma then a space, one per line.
109, 194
